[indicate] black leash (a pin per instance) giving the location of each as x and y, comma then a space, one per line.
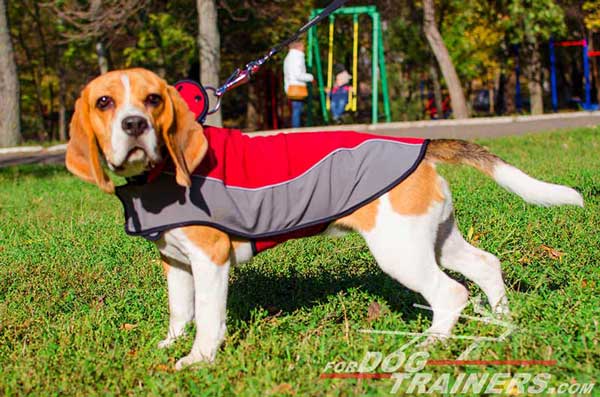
242, 76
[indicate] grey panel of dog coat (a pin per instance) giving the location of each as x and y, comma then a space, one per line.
350, 172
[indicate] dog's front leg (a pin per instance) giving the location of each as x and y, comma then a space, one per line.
210, 286
181, 299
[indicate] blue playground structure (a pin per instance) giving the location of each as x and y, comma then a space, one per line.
587, 104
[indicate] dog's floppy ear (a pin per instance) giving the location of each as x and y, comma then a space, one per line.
183, 137
83, 154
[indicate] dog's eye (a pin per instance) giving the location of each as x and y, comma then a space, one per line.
104, 102
153, 100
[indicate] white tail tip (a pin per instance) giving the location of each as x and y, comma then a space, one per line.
535, 191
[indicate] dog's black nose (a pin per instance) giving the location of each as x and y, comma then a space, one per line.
134, 125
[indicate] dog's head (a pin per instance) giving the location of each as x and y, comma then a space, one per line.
129, 120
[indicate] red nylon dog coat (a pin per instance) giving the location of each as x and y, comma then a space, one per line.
270, 189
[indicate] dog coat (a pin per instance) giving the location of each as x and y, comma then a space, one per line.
270, 189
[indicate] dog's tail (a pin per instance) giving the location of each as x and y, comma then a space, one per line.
511, 178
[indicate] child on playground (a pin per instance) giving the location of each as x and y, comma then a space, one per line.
340, 92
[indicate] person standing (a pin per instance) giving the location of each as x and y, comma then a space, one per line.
295, 79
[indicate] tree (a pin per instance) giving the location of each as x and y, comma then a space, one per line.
163, 46
101, 21
591, 20
209, 44
10, 128
530, 23
474, 34
592, 15
457, 96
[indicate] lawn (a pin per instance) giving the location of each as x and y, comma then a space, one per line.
82, 306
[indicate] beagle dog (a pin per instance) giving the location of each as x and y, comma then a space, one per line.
130, 121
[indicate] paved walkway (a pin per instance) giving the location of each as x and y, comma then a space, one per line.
481, 127
32, 158
465, 129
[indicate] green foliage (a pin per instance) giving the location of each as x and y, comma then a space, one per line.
163, 45
592, 15
72, 279
474, 32
531, 21
407, 40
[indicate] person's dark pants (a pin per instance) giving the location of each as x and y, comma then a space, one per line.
338, 106
297, 107
339, 100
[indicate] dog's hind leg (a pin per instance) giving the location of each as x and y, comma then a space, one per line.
403, 246
479, 266
454, 253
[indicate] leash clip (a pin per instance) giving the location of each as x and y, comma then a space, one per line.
237, 78
217, 105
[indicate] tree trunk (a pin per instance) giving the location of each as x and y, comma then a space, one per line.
437, 91
457, 96
209, 43
251, 111
534, 77
41, 127
62, 105
594, 63
10, 123
510, 106
95, 6
102, 58
493, 88
51, 120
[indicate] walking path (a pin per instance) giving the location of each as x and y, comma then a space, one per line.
483, 127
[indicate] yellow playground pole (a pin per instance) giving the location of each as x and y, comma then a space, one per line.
330, 60
354, 97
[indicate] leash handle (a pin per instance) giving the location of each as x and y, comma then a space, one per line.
242, 76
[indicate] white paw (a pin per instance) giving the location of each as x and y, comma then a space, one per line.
191, 359
163, 344
501, 309
172, 336
432, 340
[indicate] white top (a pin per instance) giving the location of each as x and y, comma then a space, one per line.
294, 69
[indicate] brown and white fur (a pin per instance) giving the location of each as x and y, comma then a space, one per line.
130, 120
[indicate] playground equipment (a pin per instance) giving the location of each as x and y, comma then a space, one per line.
243, 75
587, 105
378, 70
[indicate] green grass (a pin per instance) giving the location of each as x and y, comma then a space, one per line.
70, 279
